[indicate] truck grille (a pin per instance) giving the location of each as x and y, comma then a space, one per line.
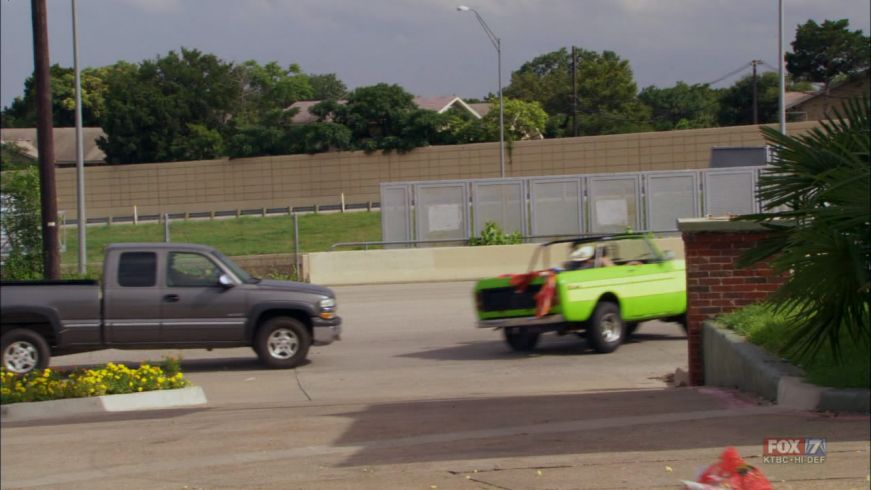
502, 299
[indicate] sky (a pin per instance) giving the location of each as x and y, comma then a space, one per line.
426, 46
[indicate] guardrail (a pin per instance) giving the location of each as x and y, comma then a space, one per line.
465, 241
135, 218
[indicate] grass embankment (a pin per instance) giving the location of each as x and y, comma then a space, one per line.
236, 236
771, 331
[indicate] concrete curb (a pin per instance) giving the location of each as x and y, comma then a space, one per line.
147, 400
732, 362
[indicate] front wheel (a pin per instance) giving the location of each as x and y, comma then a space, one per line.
521, 339
24, 351
282, 343
606, 328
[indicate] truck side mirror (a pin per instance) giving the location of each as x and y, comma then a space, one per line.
225, 281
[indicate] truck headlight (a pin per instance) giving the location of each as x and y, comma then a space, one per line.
328, 308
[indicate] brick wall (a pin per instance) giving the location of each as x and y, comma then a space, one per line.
714, 283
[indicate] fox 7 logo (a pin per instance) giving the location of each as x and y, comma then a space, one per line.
794, 446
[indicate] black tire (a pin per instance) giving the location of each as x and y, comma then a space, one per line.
282, 343
521, 339
606, 330
24, 350
629, 328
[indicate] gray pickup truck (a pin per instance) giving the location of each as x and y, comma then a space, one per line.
164, 295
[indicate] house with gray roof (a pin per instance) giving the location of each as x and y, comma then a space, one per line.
438, 104
64, 144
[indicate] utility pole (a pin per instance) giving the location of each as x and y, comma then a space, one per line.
574, 92
45, 144
755, 96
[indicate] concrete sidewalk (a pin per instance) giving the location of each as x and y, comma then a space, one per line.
616, 439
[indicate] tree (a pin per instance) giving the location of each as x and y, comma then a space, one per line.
327, 86
523, 120
269, 87
736, 102
269, 135
682, 106
22, 112
606, 97
167, 108
378, 117
818, 208
824, 53
14, 157
21, 224
320, 137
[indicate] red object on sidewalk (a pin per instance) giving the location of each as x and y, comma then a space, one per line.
733, 472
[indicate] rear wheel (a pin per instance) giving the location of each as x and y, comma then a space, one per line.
521, 339
24, 351
606, 329
282, 343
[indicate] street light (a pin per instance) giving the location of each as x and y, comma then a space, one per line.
498, 45
80, 151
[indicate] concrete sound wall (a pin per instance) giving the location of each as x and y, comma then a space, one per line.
306, 180
435, 264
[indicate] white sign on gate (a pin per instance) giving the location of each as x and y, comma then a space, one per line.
444, 217
612, 212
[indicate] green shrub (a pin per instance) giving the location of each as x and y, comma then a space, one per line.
771, 328
493, 235
20, 220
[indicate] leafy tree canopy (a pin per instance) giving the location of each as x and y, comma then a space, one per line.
824, 52
606, 97
22, 112
682, 106
523, 120
736, 102
327, 86
169, 108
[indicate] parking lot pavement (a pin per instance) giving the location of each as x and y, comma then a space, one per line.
415, 397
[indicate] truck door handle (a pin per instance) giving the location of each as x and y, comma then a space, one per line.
171, 298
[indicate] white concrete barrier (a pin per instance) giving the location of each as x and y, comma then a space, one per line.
435, 263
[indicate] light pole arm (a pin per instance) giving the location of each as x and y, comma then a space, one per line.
493, 37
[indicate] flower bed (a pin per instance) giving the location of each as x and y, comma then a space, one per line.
113, 379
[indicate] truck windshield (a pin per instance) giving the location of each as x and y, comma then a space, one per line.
238, 271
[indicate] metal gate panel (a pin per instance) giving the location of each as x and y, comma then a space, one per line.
499, 201
729, 191
441, 211
556, 206
614, 202
396, 213
670, 196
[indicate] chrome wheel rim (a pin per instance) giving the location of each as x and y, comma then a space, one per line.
282, 343
20, 357
611, 328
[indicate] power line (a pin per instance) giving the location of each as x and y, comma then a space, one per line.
731, 73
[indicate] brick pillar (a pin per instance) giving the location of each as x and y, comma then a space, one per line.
714, 283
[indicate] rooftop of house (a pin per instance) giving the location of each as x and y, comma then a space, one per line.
438, 104
64, 143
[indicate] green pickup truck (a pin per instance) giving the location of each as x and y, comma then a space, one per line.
606, 287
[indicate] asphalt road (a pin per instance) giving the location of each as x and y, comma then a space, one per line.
415, 397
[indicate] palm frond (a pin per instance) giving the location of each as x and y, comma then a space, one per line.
817, 195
